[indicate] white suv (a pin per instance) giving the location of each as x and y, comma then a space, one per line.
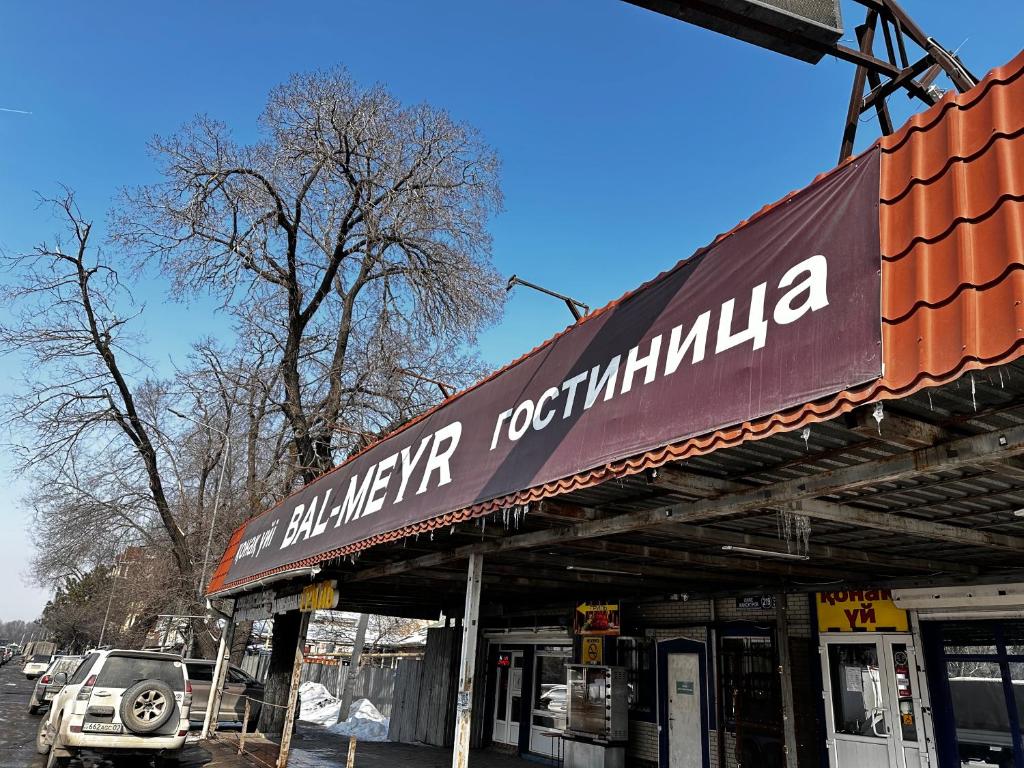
119, 703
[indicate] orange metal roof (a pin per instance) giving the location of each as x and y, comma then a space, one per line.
951, 220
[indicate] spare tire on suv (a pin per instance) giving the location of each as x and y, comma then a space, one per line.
147, 705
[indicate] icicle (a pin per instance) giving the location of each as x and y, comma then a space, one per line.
806, 435
431, 535
1001, 384
931, 405
879, 414
795, 529
974, 399
451, 531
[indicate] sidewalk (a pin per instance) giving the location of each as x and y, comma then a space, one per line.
313, 747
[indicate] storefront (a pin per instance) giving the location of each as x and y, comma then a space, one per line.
973, 645
755, 465
525, 679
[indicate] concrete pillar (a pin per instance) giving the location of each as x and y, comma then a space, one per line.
467, 668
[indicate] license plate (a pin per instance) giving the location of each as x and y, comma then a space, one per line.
102, 727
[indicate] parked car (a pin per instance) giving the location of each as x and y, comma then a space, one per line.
36, 664
46, 686
118, 703
237, 686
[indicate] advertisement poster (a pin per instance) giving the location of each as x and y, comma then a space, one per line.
597, 619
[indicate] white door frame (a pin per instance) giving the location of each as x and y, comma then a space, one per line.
895, 747
502, 729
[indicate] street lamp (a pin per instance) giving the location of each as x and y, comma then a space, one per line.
573, 305
216, 495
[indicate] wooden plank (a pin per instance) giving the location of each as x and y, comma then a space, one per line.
892, 523
467, 666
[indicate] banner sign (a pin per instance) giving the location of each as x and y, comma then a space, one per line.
597, 619
781, 312
869, 610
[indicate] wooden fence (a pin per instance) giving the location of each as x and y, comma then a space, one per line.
371, 683
425, 692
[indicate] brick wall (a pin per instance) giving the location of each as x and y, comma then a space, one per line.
644, 746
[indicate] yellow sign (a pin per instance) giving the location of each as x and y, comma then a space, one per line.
322, 596
593, 650
870, 610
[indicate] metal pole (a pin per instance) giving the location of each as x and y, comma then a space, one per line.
220, 670
786, 681
467, 667
106, 614
353, 667
293, 694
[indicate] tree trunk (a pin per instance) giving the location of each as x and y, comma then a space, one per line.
243, 631
282, 657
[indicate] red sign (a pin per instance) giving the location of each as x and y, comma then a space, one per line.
781, 312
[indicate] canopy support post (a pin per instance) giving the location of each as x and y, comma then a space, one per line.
785, 680
293, 693
467, 668
220, 674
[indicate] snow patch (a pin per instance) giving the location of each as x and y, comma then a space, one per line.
364, 722
320, 707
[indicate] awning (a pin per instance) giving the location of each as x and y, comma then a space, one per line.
941, 200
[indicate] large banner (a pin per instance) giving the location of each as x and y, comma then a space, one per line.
781, 312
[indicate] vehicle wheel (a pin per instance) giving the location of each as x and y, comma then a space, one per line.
42, 743
146, 706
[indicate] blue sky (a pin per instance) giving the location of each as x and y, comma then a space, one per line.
628, 139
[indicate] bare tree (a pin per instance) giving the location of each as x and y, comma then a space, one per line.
351, 238
357, 225
71, 324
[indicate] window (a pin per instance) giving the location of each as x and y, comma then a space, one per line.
238, 676
200, 672
549, 691
858, 698
636, 654
83, 670
749, 681
126, 671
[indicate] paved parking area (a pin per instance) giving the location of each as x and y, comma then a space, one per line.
313, 747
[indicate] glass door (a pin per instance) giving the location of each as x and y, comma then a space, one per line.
508, 694
872, 701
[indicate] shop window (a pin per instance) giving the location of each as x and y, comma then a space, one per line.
549, 690
1013, 636
636, 654
749, 682
969, 639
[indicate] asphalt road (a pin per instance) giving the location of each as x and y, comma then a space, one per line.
18, 729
